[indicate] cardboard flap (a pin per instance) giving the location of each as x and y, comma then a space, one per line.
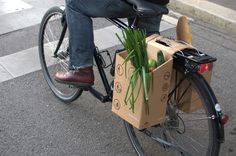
168, 46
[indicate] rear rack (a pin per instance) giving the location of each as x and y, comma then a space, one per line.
194, 56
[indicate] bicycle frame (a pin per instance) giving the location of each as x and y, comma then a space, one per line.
188, 65
108, 97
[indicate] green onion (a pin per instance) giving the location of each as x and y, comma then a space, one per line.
135, 44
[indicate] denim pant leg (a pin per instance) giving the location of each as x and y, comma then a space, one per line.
80, 25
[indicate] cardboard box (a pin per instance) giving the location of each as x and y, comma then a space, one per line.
190, 102
163, 83
158, 93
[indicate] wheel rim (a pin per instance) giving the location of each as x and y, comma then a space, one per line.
52, 28
191, 132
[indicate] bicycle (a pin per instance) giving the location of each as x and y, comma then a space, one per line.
175, 136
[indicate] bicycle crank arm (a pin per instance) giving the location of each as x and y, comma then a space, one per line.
98, 95
167, 144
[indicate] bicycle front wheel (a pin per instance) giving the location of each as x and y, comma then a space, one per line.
182, 133
54, 53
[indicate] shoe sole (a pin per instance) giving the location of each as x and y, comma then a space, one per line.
76, 84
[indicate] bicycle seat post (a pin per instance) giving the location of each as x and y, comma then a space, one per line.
135, 22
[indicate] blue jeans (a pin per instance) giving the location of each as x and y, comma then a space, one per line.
80, 25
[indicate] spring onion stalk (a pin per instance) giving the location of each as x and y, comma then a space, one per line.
136, 47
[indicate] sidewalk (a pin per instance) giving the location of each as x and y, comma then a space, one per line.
216, 14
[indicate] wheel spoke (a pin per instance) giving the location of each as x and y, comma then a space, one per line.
50, 32
190, 131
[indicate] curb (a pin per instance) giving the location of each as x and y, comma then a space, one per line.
219, 16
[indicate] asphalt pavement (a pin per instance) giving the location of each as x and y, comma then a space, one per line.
34, 122
226, 3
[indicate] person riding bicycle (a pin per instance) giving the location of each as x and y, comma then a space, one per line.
79, 15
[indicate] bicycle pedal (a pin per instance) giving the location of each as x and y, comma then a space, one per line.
63, 54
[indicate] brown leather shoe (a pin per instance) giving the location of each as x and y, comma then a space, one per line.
81, 78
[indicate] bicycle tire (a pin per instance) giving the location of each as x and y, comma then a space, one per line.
51, 28
213, 145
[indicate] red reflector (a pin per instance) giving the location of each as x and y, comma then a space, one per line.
205, 67
224, 119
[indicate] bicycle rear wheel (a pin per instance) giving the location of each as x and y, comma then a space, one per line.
54, 53
194, 133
